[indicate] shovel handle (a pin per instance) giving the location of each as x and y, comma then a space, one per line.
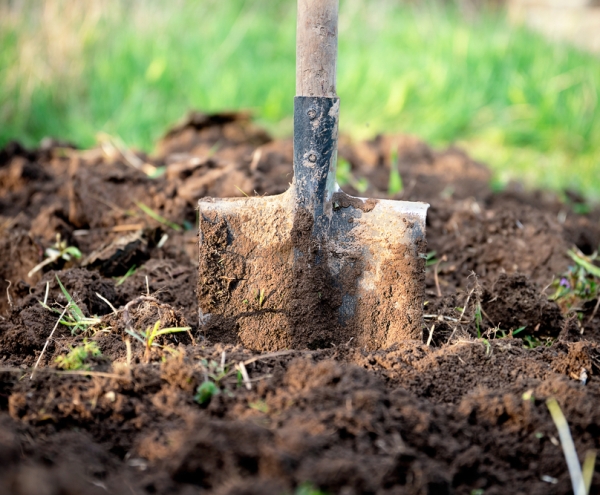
316, 47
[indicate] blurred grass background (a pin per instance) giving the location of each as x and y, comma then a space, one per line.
525, 106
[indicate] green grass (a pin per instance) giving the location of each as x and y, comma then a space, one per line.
524, 105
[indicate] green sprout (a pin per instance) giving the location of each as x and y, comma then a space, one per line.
148, 336
488, 347
518, 330
129, 273
213, 374
431, 258
205, 392
260, 297
75, 359
531, 341
73, 316
478, 319
60, 250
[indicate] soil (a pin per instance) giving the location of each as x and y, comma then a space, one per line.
461, 412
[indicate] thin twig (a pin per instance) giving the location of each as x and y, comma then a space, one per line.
189, 332
488, 318
127, 227
48, 340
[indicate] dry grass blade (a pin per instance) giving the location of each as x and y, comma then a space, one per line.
566, 441
430, 335
588, 469
245, 376
107, 302
48, 340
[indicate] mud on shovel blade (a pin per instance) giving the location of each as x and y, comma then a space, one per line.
312, 267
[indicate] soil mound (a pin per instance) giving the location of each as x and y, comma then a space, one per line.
462, 412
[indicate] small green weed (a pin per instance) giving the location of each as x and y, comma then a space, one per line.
531, 341
581, 282
260, 297
488, 346
148, 336
205, 392
431, 258
478, 319
73, 316
60, 250
77, 356
129, 273
518, 330
213, 374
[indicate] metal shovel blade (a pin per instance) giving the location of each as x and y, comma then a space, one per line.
312, 267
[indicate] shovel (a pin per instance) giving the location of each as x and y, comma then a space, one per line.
312, 267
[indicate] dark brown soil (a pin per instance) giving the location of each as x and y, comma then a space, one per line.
461, 412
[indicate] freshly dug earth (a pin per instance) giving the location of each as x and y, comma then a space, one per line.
461, 412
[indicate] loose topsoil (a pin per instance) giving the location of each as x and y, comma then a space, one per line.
461, 412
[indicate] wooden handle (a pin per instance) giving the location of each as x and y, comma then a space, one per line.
316, 47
